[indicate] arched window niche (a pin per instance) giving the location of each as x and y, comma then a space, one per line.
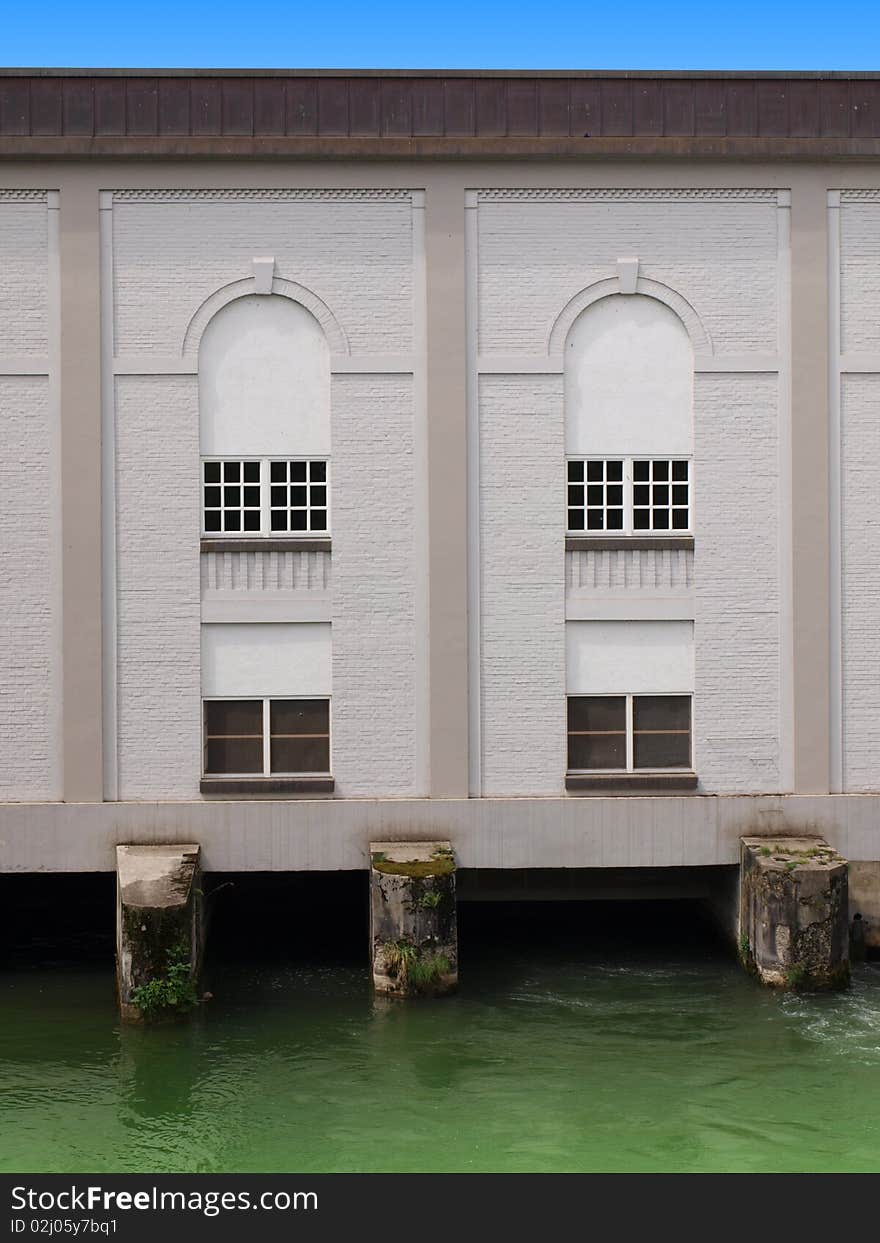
264, 421
264, 381
629, 426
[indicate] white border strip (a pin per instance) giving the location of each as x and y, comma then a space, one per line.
53, 372
474, 567
785, 554
835, 496
417, 365
108, 503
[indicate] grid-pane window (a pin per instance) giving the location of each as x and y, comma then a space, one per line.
231, 496
299, 735
266, 736
234, 736
661, 494
596, 731
298, 496
595, 496
661, 731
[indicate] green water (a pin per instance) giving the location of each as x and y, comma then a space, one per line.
594, 1060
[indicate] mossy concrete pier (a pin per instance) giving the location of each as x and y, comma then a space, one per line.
159, 931
794, 912
413, 931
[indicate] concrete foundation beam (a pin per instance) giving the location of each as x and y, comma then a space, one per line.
794, 912
864, 901
159, 932
413, 931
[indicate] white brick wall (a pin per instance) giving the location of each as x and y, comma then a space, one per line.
24, 277
29, 683
860, 456
373, 619
536, 251
354, 250
860, 272
737, 630
157, 505
523, 585
172, 250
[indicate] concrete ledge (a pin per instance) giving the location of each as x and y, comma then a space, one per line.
625, 783
632, 543
269, 544
267, 785
333, 834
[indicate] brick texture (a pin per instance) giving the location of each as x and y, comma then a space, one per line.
24, 320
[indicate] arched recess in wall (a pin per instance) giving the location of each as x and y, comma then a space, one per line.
264, 381
629, 379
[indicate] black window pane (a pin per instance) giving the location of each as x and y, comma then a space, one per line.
575, 520
298, 472
661, 712
252, 472
318, 472
252, 520
576, 472
614, 471
279, 495
212, 498
318, 496
300, 755
594, 520
278, 472
640, 520
614, 494
680, 494
640, 494
661, 493
596, 751
596, 712
212, 521
679, 470
614, 519
231, 472
319, 519
595, 494
661, 519
234, 755
252, 497
299, 716
641, 472
595, 471
576, 494
661, 750
298, 520
212, 472
232, 496
680, 519
661, 470
233, 520
279, 520
298, 496
234, 716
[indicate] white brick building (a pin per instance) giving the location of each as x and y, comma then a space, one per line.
507, 485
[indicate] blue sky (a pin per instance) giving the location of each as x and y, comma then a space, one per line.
543, 34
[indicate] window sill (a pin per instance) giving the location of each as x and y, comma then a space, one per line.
627, 783
288, 543
266, 785
636, 543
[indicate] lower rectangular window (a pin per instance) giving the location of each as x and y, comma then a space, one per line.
626, 733
268, 737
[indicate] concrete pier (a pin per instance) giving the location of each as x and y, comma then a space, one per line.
413, 933
794, 912
159, 935
864, 900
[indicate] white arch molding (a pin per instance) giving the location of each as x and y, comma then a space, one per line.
701, 341
333, 330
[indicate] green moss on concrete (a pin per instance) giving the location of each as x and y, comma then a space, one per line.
441, 863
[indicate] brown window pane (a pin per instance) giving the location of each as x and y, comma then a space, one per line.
596, 751
299, 716
661, 731
300, 755
234, 755
596, 731
667, 712
597, 712
233, 716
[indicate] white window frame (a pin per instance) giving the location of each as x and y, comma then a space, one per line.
267, 739
628, 514
630, 739
265, 485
